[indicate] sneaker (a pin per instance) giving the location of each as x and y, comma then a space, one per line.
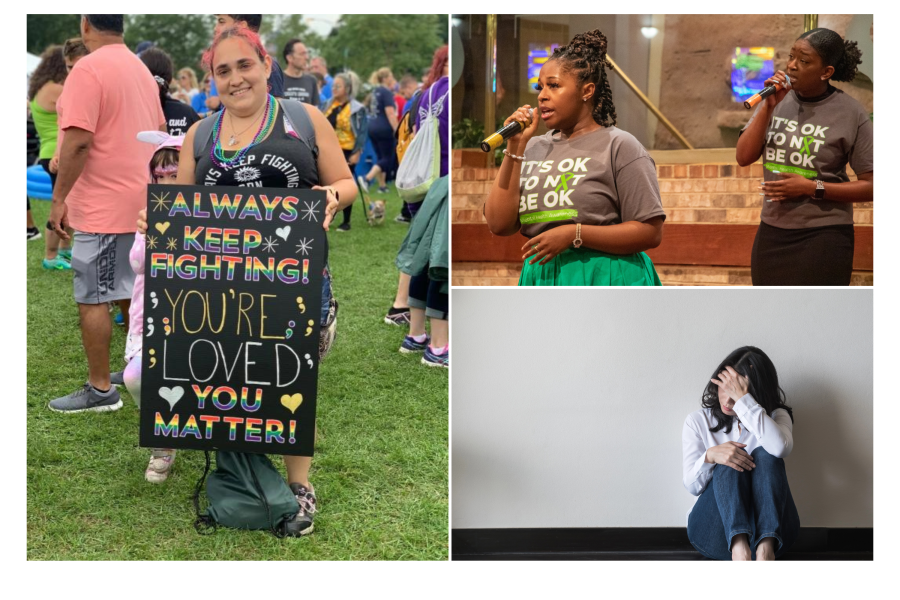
402, 219
119, 319
343, 227
161, 461
117, 378
65, 254
56, 264
33, 233
87, 399
363, 184
430, 359
410, 345
397, 316
301, 523
383, 190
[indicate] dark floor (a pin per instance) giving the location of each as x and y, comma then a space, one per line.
651, 555
639, 543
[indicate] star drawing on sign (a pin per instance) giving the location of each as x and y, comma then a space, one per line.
310, 210
151, 242
172, 244
270, 244
304, 246
161, 202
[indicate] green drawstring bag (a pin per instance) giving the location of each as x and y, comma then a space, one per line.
245, 492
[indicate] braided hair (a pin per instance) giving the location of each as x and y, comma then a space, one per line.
835, 52
585, 57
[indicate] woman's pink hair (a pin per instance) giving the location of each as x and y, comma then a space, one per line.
243, 33
437, 67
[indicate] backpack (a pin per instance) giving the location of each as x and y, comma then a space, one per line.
405, 133
245, 491
297, 116
421, 165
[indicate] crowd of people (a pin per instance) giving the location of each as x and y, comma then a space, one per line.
96, 104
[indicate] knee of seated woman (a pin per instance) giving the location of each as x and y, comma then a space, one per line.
760, 454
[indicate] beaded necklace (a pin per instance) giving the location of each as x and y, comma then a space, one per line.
217, 154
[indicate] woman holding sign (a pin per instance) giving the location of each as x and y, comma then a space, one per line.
585, 194
254, 143
809, 131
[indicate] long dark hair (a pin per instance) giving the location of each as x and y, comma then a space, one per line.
162, 68
835, 52
51, 68
585, 56
762, 384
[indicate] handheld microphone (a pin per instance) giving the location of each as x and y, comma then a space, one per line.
504, 133
765, 93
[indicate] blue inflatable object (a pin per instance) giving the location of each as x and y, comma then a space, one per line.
39, 186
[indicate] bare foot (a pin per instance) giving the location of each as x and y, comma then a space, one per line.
740, 547
766, 549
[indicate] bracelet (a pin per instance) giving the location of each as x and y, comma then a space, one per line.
513, 156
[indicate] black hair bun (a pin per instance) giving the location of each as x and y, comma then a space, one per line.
845, 67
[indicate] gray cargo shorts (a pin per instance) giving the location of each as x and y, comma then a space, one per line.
101, 267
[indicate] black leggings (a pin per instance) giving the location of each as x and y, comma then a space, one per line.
45, 163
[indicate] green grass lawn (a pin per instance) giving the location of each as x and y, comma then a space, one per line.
380, 469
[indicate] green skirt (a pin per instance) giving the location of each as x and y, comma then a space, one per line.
583, 266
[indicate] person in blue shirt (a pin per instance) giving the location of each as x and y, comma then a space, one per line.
318, 65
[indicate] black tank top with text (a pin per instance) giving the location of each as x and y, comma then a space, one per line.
281, 160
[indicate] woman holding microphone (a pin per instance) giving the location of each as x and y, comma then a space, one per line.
585, 193
809, 131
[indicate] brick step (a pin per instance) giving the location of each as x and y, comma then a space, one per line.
507, 274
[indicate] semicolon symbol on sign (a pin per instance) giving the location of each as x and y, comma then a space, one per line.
300, 305
154, 299
152, 358
309, 327
150, 327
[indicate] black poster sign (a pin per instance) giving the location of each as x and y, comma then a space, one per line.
232, 303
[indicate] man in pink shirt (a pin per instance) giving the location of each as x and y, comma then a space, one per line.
102, 184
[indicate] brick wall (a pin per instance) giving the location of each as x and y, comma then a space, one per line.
707, 193
505, 274
717, 193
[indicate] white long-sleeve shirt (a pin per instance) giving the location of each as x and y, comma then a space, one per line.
752, 426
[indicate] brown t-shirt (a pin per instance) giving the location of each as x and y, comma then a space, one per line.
816, 140
604, 177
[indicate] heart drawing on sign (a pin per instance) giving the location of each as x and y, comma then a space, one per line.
283, 232
172, 396
292, 402
162, 227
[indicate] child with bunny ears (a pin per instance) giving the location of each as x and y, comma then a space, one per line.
163, 170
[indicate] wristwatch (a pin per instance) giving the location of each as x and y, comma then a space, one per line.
820, 189
577, 242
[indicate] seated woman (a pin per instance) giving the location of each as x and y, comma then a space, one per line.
733, 458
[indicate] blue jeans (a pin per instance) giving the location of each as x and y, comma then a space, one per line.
756, 502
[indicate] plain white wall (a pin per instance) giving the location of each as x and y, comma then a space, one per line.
567, 405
